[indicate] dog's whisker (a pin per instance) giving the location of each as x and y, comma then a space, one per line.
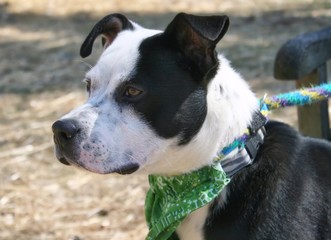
84, 62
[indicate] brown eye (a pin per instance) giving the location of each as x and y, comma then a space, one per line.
132, 92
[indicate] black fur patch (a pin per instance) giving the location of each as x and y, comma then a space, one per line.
174, 101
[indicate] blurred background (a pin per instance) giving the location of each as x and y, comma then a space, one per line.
41, 79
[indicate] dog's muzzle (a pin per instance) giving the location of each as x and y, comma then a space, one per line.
68, 137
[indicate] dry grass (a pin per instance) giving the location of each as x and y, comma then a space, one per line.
40, 74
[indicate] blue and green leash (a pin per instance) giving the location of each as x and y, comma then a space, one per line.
300, 97
172, 198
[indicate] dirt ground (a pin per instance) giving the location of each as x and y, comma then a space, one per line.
40, 80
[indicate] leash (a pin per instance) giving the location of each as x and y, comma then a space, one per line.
296, 98
172, 198
300, 97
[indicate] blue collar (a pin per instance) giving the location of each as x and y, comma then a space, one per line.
243, 150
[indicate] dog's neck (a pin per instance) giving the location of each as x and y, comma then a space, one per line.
231, 106
243, 150
172, 198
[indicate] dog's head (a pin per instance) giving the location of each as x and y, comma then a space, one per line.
147, 96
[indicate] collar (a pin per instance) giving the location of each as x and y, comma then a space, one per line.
242, 151
171, 198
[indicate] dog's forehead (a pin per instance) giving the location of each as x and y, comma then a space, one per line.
118, 61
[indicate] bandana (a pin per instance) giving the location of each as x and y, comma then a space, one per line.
170, 199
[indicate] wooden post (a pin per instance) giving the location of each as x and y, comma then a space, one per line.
314, 119
303, 59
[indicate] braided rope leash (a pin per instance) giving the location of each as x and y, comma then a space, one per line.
300, 97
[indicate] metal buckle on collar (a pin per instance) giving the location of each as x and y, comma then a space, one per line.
254, 142
257, 131
258, 122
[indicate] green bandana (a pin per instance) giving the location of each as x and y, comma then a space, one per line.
171, 198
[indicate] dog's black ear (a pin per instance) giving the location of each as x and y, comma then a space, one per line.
109, 27
197, 36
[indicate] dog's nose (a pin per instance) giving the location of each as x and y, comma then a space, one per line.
65, 129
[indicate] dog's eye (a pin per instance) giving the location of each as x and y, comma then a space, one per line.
131, 92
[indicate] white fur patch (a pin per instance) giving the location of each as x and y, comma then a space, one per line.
192, 226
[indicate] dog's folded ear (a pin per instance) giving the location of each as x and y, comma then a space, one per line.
197, 36
109, 27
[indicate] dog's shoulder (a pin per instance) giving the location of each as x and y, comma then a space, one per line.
281, 146
291, 155
284, 141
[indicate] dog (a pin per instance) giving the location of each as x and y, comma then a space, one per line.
164, 102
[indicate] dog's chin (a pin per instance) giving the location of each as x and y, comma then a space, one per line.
123, 170
126, 169
63, 161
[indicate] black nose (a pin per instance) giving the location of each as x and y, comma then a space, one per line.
65, 129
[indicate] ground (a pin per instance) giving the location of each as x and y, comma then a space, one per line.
40, 80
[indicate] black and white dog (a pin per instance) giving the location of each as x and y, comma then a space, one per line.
165, 102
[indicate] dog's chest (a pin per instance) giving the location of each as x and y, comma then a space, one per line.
192, 227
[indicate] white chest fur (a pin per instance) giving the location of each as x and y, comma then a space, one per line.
192, 227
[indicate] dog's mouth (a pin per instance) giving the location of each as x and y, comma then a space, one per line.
64, 161
126, 169
59, 155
